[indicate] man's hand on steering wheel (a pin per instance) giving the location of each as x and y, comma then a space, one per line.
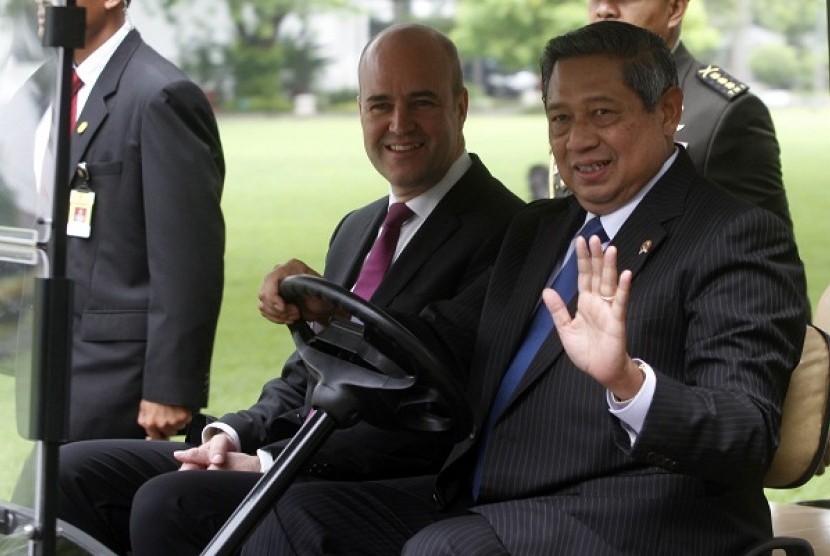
385, 368
275, 308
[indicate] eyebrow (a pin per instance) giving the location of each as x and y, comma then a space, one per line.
415, 94
596, 98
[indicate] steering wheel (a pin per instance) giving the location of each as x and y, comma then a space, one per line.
374, 370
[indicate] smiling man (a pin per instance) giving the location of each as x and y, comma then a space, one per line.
637, 417
413, 106
412, 122
727, 131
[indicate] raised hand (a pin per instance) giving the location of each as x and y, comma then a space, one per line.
595, 337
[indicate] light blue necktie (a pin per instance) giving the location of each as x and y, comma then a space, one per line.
565, 285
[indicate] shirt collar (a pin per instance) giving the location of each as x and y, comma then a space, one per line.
90, 69
425, 203
612, 222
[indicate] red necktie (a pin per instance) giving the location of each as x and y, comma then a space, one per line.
73, 111
380, 257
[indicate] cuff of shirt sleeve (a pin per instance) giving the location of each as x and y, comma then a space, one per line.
266, 460
217, 427
632, 413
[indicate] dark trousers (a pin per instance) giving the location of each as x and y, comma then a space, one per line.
107, 484
179, 513
376, 518
129, 495
99, 478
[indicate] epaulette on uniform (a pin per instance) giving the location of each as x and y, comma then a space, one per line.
719, 80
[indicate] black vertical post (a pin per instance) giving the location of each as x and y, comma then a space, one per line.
49, 396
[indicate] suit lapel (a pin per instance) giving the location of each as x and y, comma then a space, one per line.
95, 110
546, 248
347, 258
437, 229
648, 226
441, 224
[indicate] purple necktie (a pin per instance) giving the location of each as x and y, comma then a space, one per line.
380, 257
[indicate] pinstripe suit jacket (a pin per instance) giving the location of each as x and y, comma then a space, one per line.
454, 245
718, 308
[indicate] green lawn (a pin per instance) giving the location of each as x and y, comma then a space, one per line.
290, 180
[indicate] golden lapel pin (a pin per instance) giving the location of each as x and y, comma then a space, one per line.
645, 247
82, 127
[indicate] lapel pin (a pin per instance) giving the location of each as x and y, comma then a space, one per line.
82, 127
645, 247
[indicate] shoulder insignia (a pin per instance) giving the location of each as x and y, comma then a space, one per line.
719, 80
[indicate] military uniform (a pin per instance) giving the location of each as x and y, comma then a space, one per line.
729, 134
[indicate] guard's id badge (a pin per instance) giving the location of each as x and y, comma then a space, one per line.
81, 201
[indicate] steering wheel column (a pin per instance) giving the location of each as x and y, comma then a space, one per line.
373, 370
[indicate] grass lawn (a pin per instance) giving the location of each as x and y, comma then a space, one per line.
290, 180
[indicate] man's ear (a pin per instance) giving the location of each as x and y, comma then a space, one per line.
463, 104
671, 108
677, 11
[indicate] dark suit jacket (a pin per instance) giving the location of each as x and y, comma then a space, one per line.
456, 243
730, 138
148, 282
718, 308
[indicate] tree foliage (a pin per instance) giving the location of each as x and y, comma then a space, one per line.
259, 56
513, 32
802, 25
794, 18
777, 66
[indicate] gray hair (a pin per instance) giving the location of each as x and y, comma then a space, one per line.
648, 66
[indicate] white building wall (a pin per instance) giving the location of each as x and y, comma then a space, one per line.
341, 38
